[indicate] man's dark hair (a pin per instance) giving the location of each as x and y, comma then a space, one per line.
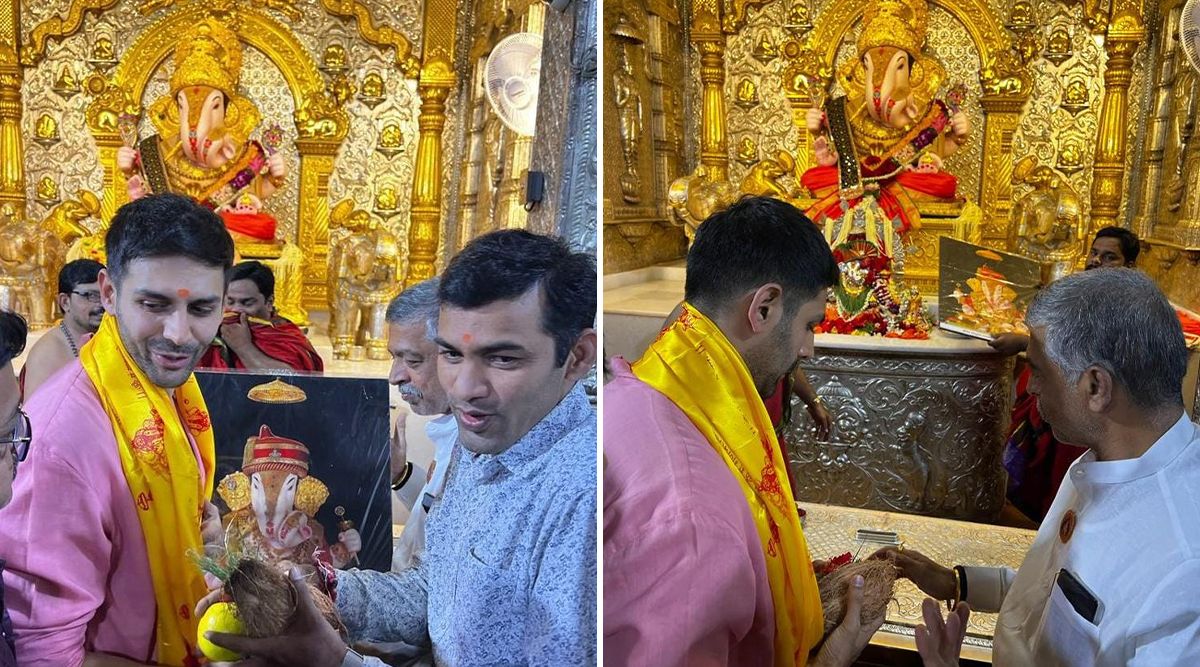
504, 265
166, 225
257, 273
1130, 247
13, 331
76, 273
756, 241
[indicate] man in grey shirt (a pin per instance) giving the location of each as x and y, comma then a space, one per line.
509, 576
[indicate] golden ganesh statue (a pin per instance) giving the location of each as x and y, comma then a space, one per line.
203, 149
30, 258
273, 503
886, 140
364, 276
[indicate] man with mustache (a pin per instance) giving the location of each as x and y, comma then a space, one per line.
14, 445
412, 326
253, 336
112, 498
509, 573
79, 299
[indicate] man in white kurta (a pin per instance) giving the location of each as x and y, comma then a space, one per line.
1109, 359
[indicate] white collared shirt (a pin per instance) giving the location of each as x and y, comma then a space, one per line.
443, 431
1135, 547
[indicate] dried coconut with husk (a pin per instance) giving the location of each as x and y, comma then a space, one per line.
879, 586
262, 594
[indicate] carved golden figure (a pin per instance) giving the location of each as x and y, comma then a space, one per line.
765, 50
747, 93
66, 84
1070, 156
1075, 96
629, 114
763, 178
747, 151
372, 89
47, 190
46, 129
386, 200
334, 57
364, 276
30, 258
1058, 46
800, 16
1022, 15
390, 136
102, 50
66, 220
1047, 223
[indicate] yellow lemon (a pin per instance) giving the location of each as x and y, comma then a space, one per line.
220, 617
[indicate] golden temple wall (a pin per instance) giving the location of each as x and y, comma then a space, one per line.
1042, 93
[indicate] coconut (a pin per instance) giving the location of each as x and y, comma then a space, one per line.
266, 602
879, 584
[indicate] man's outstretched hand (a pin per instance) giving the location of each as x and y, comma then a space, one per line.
308, 641
939, 642
850, 637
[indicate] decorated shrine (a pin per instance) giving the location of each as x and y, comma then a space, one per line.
1016, 129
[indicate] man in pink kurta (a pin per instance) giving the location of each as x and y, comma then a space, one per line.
77, 569
671, 511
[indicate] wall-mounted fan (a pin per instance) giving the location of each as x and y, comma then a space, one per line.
511, 77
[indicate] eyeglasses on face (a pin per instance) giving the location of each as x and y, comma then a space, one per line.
20, 437
93, 297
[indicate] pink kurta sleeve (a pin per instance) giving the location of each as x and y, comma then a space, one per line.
57, 540
683, 593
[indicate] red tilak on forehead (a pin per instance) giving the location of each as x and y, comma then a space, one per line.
184, 293
467, 338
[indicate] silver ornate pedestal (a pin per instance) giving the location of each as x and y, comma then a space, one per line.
919, 426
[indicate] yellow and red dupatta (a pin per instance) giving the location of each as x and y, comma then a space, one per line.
164, 478
694, 365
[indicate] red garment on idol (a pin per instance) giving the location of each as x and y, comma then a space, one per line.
823, 182
257, 225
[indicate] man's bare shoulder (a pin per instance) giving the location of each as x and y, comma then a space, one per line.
50, 347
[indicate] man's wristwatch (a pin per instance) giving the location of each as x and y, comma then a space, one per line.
353, 658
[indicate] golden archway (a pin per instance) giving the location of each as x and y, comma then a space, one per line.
321, 125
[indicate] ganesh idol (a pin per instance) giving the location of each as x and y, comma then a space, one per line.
202, 147
273, 502
880, 148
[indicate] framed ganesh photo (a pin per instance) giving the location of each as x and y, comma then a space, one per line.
302, 468
984, 292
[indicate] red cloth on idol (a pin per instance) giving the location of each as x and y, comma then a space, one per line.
257, 225
822, 182
281, 340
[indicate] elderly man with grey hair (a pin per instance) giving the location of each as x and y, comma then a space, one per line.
412, 326
1111, 578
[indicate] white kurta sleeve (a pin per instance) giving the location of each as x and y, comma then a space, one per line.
987, 586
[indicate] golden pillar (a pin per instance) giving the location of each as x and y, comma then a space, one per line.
710, 43
12, 153
1124, 36
437, 78
434, 84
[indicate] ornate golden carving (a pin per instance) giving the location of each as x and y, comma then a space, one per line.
764, 178
379, 34
319, 117
734, 12
47, 190
59, 27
